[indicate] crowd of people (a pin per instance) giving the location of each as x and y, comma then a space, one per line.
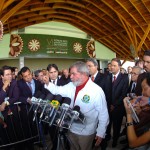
102, 99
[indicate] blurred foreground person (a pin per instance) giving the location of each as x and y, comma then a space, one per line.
133, 139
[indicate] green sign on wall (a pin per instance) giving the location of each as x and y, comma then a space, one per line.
37, 45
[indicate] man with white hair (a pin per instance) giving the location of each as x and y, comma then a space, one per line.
92, 105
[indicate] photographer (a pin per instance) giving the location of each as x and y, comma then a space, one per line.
133, 139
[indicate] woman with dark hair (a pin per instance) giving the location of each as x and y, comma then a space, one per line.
133, 139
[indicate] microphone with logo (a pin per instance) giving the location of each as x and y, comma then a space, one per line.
35, 100
64, 109
55, 106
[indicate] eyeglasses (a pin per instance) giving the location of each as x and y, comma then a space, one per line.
133, 73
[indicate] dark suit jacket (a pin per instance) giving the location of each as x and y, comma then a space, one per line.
99, 79
12, 92
115, 92
25, 91
60, 82
130, 87
63, 80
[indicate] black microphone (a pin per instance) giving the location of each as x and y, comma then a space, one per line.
64, 107
81, 116
49, 97
75, 114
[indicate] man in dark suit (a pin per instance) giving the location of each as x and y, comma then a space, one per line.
136, 71
65, 77
146, 61
95, 75
28, 88
53, 77
97, 78
9, 94
115, 88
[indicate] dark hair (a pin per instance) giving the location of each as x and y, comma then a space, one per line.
0, 71
93, 60
24, 69
36, 73
52, 66
5, 68
117, 60
138, 61
13, 69
147, 78
147, 53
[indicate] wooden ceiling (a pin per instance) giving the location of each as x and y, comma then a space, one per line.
121, 25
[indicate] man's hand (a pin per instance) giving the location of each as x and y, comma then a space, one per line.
2, 106
6, 84
98, 140
29, 101
46, 80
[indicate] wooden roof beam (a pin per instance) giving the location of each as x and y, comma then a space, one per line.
127, 28
143, 38
78, 4
13, 10
1, 6
120, 45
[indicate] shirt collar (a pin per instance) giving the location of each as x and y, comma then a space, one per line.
116, 75
95, 75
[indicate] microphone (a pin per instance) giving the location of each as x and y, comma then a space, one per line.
40, 99
81, 116
64, 107
48, 98
75, 114
55, 106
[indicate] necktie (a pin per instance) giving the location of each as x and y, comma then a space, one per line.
29, 84
114, 79
53, 81
133, 88
92, 78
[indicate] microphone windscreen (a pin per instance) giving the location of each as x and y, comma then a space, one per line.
37, 94
76, 108
67, 100
49, 97
58, 98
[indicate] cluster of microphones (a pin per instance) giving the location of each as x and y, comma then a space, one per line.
56, 110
